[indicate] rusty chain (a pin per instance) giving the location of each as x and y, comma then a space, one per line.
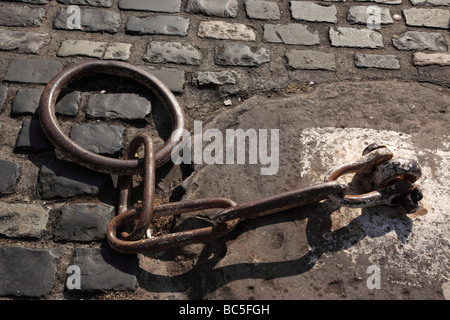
391, 181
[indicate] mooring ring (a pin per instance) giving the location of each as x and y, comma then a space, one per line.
90, 159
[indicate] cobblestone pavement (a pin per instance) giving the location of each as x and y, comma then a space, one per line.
212, 55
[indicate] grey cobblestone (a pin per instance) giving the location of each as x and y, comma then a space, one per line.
94, 3
431, 2
426, 59
3, 93
37, 271
21, 16
358, 38
101, 139
292, 33
23, 41
310, 11
9, 173
83, 222
173, 52
103, 269
224, 9
217, 78
225, 31
95, 49
418, 40
360, 15
383, 1
263, 10
240, 55
379, 61
110, 106
61, 179
32, 70
311, 60
421, 17
32, 137
92, 20
163, 25
31, 1
151, 5
23, 220
173, 78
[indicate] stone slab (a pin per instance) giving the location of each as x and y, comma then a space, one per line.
94, 3
91, 20
379, 61
83, 222
151, 5
240, 55
173, 52
23, 41
37, 271
23, 220
360, 15
216, 78
291, 33
310, 11
224, 9
419, 40
9, 173
262, 10
426, 17
425, 59
21, 16
225, 31
32, 138
311, 60
357, 38
100, 139
103, 269
32, 70
127, 106
163, 25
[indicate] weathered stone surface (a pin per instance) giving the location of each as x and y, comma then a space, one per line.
83, 222
309, 11
165, 25
151, 5
95, 49
173, 52
240, 55
82, 48
217, 78
94, 3
26, 101
174, 79
358, 38
22, 220
291, 33
360, 15
380, 61
309, 59
3, 93
117, 51
125, 106
32, 70
305, 252
91, 20
9, 173
426, 17
23, 41
37, 271
31, 1
431, 2
224, 9
382, 1
65, 179
103, 269
417, 40
100, 139
21, 16
225, 31
32, 137
263, 10
425, 59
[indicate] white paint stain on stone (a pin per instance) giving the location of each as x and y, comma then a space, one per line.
413, 244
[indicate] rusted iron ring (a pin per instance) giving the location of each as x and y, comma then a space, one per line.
90, 159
